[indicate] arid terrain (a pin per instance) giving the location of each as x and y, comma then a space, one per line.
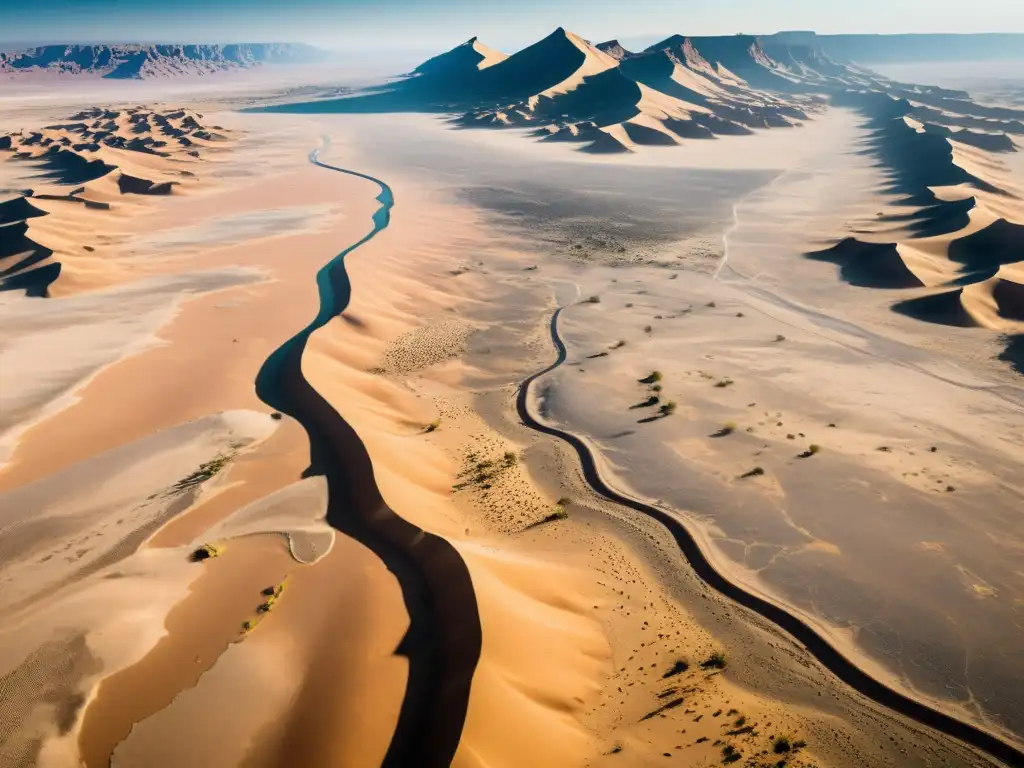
572, 407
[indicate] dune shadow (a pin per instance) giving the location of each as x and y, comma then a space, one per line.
868, 265
1014, 352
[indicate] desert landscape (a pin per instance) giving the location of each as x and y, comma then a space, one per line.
575, 404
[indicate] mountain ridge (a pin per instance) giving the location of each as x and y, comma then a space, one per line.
138, 61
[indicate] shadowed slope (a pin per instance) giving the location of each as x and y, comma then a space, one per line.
869, 265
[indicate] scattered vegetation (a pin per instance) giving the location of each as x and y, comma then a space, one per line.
656, 388
205, 552
652, 378
204, 473
619, 344
739, 314
482, 473
594, 300
652, 400
755, 472
812, 449
711, 304
433, 426
726, 429
716, 660
781, 745
779, 337
667, 409
722, 383
677, 668
559, 513
648, 328
273, 594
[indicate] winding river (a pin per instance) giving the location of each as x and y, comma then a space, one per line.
442, 643
817, 645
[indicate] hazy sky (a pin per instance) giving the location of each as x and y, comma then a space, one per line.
434, 24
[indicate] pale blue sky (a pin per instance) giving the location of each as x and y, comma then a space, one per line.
433, 24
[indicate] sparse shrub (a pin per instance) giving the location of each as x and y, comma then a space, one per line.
433, 426
620, 343
667, 409
814, 448
755, 472
509, 459
716, 660
651, 378
780, 337
648, 328
739, 314
564, 501
594, 300
799, 744
276, 416
656, 388
559, 513
678, 667
711, 304
781, 745
205, 552
204, 473
723, 383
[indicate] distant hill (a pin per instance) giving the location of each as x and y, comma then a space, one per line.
134, 62
605, 98
877, 49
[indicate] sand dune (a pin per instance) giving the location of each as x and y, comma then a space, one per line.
961, 214
77, 162
563, 80
614, 49
472, 54
869, 265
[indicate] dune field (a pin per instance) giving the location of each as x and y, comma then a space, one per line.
570, 407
